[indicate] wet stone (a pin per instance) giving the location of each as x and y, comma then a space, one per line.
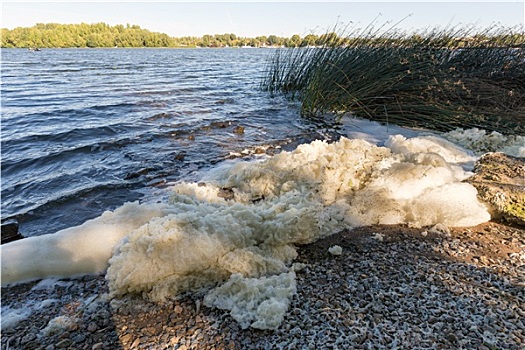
226, 193
239, 129
9, 229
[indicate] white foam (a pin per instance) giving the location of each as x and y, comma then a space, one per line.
479, 141
205, 243
12, 317
372, 131
200, 239
335, 250
84, 249
50, 284
475, 140
312, 192
257, 302
378, 236
447, 150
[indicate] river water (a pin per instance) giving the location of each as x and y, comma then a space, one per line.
85, 130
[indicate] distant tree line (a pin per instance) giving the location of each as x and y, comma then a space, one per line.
52, 35
84, 35
103, 35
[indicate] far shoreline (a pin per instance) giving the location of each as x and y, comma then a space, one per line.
138, 48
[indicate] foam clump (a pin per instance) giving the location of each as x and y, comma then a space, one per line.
479, 141
257, 302
378, 236
440, 229
335, 250
448, 151
292, 198
205, 245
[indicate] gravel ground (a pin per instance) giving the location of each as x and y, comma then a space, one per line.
391, 287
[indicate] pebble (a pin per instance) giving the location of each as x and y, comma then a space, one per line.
28, 337
92, 327
126, 338
79, 338
136, 343
64, 343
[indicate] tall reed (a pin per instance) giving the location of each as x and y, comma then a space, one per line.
440, 79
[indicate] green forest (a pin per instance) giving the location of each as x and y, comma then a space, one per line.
53, 35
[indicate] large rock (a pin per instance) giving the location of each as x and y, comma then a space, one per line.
500, 181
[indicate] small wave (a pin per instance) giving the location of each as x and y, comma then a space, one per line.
67, 113
74, 208
37, 150
74, 134
42, 202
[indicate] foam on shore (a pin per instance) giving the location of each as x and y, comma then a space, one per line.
292, 198
480, 141
202, 238
79, 250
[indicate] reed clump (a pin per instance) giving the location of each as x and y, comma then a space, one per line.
440, 79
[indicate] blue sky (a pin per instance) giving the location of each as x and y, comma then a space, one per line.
246, 18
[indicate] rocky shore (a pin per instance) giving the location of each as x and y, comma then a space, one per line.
390, 287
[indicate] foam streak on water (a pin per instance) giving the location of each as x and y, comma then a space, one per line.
82, 130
